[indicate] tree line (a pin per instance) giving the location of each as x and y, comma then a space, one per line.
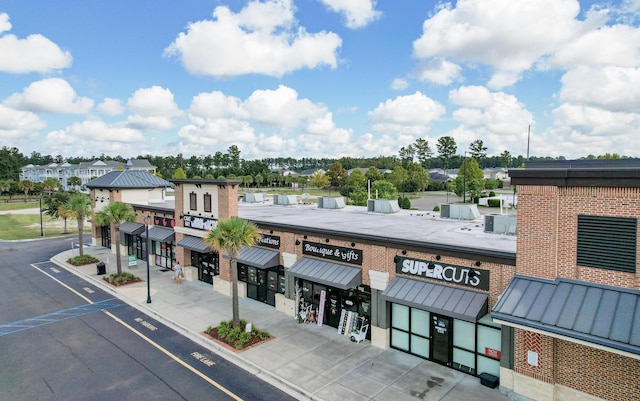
443, 154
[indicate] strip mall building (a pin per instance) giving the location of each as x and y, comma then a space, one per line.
557, 320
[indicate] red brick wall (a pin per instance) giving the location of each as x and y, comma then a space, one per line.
547, 230
537, 230
596, 372
525, 341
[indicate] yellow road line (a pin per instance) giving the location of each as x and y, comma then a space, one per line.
62, 284
175, 358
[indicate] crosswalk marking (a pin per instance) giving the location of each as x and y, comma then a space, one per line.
77, 311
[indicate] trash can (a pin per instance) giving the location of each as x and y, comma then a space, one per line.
101, 268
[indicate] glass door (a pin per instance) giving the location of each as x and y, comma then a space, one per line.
441, 330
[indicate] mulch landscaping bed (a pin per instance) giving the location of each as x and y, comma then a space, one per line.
252, 342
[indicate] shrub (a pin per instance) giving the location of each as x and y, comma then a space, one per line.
123, 278
82, 260
493, 202
404, 202
239, 344
223, 329
436, 208
264, 335
208, 330
233, 334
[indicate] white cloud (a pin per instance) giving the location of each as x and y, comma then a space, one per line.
53, 95
510, 40
439, 71
218, 132
411, 114
155, 109
281, 107
617, 45
611, 88
215, 105
5, 25
497, 118
36, 53
111, 107
16, 123
399, 84
358, 13
262, 39
89, 137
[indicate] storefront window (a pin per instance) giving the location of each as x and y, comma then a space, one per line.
400, 317
473, 348
464, 335
164, 255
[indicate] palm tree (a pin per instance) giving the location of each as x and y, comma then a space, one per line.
114, 214
230, 236
74, 182
26, 186
80, 206
65, 213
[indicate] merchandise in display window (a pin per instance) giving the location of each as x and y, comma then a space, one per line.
262, 284
355, 300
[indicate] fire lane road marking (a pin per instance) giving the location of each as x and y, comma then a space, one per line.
175, 358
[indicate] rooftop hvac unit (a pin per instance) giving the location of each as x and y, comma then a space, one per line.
252, 197
383, 206
500, 224
328, 202
461, 212
284, 200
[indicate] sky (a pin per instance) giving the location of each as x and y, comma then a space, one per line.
319, 78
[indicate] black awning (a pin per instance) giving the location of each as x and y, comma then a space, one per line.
259, 257
131, 228
595, 313
328, 273
195, 244
437, 298
160, 234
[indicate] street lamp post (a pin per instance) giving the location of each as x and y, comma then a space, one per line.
146, 231
464, 179
41, 230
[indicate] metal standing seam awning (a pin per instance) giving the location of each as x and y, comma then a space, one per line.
131, 228
328, 273
444, 300
572, 309
259, 257
195, 244
160, 234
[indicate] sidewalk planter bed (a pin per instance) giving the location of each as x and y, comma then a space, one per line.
123, 279
236, 338
82, 260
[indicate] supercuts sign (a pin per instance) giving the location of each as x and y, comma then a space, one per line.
200, 223
340, 254
467, 276
270, 241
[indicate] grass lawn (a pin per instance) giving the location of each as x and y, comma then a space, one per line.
18, 205
27, 226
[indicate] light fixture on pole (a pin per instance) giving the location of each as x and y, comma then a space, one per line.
146, 231
464, 178
41, 230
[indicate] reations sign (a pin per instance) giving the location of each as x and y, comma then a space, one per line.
340, 254
270, 241
469, 277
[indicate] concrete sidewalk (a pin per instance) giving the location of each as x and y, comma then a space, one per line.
305, 360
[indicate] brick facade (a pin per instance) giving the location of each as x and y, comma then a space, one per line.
547, 248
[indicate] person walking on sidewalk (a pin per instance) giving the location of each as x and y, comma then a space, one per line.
178, 272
